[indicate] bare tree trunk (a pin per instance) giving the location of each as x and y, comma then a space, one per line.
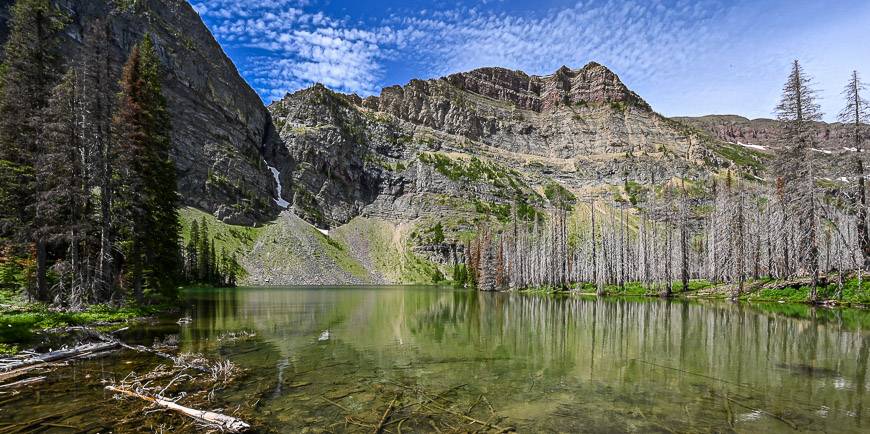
42, 293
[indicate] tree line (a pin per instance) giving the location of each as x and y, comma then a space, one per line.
88, 200
806, 219
201, 261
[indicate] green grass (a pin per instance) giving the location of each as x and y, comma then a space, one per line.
629, 289
339, 255
19, 322
508, 182
390, 253
235, 239
559, 195
852, 293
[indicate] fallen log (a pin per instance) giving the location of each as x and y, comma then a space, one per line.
221, 421
22, 383
10, 370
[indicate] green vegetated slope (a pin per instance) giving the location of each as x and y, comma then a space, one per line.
290, 251
385, 248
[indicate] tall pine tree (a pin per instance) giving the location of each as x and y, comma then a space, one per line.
29, 72
148, 197
63, 200
97, 101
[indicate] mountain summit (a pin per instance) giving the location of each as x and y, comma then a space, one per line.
593, 83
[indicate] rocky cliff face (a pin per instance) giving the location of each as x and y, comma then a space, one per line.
762, 132
468, 145
221, 130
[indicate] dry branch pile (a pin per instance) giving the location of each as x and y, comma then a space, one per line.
190, 378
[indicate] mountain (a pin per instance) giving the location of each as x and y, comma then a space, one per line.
414, 171
483, 136
221, 131
388, 188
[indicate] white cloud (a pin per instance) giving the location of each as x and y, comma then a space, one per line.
683, 56
296, 48
638, 39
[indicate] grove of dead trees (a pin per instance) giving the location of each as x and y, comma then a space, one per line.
806, 218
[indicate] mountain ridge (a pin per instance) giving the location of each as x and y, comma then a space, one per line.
433, 160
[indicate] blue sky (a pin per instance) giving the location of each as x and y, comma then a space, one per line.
684, 57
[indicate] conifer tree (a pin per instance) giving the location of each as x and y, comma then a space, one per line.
29, 72
231, 273
191, 257
148, 195
63, 199
203, 252
214, 265
97, 95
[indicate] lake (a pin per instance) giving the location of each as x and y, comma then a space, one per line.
334, 359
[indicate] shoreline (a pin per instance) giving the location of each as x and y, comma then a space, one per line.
761, 291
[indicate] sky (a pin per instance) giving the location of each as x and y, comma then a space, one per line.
686, 58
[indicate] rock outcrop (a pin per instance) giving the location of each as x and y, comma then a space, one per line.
471, 143
221, 131
762, 132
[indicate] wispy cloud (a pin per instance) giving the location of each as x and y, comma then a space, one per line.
683, 56
639, 38
292, 46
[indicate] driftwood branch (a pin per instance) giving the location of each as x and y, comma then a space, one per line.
386, 415
221, 421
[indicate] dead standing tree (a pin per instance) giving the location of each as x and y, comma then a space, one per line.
795, 167
855, 115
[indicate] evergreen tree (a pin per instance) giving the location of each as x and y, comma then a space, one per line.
224, 269
63, 200
191, 266
29, 72
97, 95
202, 250
214, 266
148, 193
231, 273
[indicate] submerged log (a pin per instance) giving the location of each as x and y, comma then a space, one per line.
13, 369
221, 421
24, 382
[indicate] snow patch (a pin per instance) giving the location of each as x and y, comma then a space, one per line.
323, 231
325, 336
749, 145
277, 175
823, 151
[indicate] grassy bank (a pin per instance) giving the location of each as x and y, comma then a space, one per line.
21, 321
798, 291
629, 289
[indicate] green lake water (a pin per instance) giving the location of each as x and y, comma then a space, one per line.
536, 363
